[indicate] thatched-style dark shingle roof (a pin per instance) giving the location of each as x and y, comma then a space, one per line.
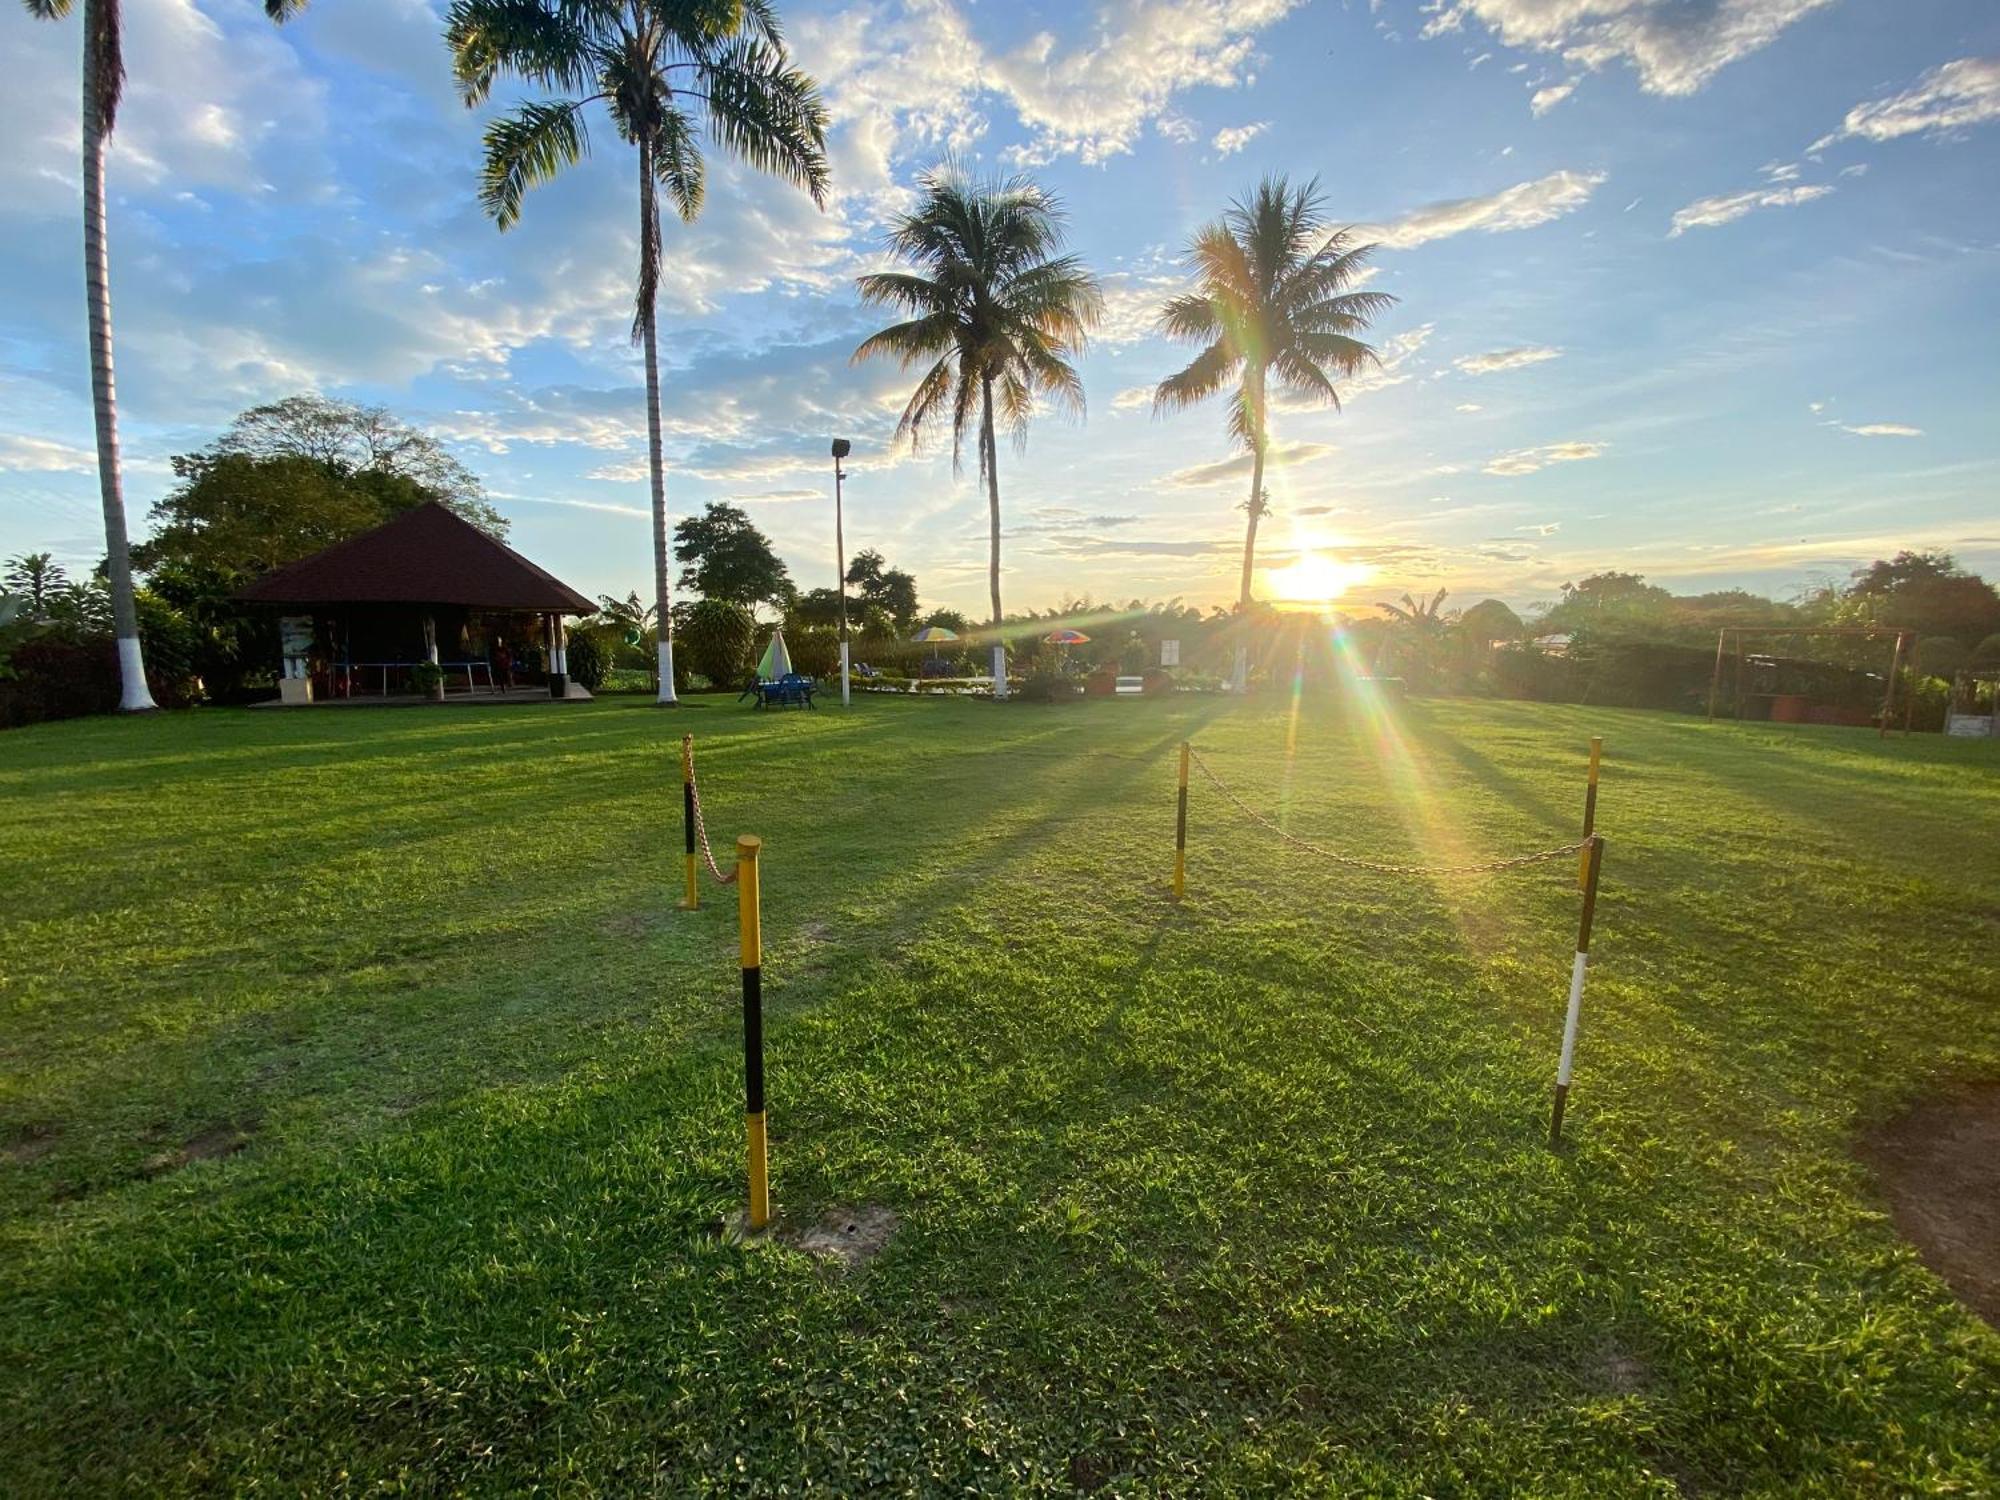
424, 556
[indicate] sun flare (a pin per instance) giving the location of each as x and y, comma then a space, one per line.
1315, 578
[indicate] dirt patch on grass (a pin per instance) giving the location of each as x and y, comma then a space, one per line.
1939, 1166
31, 1144
850, 1236
213, 1144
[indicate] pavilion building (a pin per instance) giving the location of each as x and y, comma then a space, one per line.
427, 588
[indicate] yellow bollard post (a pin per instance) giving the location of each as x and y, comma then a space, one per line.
1589, 813
691, 895
1180, 830
750, 921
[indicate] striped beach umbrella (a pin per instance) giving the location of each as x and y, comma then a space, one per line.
932, 634
1065, 638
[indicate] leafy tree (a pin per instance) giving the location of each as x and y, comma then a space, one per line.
720, 636
1490, 620
239, 516
728, 558
33, 578
1941, 656
349, 440
650, 62
891, 590
1611, 603
995, 316
814, 607
1275, 296
1929, 593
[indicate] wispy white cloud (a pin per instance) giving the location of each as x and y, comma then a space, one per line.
1522, 206
32, 455
1133, 398
1884, 429
1233, 138
1726, 208
1529, 460
1674, 46
1950, 98
1506, 359
1546, 99
1279, 456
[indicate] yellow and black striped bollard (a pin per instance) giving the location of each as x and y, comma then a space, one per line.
1593, 863
750, 921
1589, 812
1180, 830
691, 894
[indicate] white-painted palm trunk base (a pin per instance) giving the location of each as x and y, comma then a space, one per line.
667, 673
135, 697
1242, 669
844, 700
999, 671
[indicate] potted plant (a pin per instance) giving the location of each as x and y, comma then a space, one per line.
427, 677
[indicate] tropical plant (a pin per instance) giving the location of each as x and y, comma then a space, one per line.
103, 83
995, 314
1275, 296
1418, 628
650, 63
33, 578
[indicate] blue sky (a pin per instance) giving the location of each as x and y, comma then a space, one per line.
1705, 289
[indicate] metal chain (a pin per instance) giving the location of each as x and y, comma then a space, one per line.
700, 827
1376, 866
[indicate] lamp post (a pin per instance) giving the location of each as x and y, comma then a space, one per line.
841, 448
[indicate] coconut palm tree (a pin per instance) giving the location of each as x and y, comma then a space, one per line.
995, 315
103, 83
663, 69
1274, 296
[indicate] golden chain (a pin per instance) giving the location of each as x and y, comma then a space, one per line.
700, 827
1376, 866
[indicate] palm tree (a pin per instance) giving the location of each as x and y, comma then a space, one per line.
995, 313
103, 83
1274, 296
35, 578
649, 62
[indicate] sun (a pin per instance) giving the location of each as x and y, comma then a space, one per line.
1315, 578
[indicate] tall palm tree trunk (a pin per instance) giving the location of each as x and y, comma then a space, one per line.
990, 459
649, 241
100, 21
1254, 391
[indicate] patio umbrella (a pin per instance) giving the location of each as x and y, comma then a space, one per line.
1065, 638
777, 661
933, 634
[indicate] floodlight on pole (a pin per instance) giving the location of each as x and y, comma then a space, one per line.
841, 448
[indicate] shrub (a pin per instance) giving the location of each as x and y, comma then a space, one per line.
815, 651
1044, 686
715, 638
587, 664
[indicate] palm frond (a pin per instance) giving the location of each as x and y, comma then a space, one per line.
526, 148
767, 113
546, 44
1207, 373
920, 338
48, 10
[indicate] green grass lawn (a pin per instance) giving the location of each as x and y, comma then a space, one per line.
1249, 1194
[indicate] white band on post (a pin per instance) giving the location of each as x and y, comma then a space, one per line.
1571, 1021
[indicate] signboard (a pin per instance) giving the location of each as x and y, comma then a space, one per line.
295, 642
1170, 653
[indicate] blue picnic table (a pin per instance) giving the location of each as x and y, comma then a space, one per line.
789, 691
